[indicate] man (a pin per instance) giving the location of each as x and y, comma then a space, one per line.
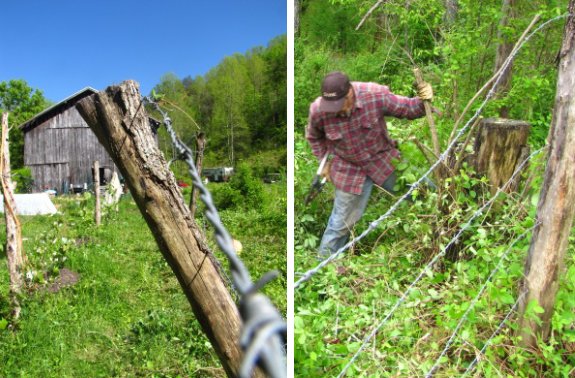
347, 121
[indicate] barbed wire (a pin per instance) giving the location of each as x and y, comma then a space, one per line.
264, 333
373, 225
405, 294
495, 333
475, 300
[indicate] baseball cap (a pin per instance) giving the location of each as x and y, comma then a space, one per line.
334, 88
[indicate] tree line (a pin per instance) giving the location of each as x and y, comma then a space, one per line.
240, 105
458, 44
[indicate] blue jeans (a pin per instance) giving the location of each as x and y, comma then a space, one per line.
347, 210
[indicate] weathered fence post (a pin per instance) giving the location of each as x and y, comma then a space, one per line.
119, 120
14, 251
200, 146
500, 146
97, 210
557, 200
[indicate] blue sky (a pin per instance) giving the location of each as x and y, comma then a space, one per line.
62, 46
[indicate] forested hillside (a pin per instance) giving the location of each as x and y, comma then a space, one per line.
240, 105
432, 284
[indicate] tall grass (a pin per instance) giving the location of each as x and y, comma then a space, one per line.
127, 315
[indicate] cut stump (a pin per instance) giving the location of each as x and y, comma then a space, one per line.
500, 146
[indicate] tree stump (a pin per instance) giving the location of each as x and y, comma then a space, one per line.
499, 147
118, 118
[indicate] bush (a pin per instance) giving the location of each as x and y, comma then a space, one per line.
23, 179
249, 187
225, 197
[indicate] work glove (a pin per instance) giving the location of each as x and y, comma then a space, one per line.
326, 170
424, 91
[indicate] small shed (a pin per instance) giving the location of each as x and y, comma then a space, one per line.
60, 148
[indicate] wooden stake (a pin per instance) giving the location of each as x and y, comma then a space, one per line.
97, 210
429, 115
200, 146
14, 251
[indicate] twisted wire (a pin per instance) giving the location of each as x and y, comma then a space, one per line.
264, 331
495, 333
474, 302
373, 225
405, 294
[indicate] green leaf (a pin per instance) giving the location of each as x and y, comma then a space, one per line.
3, 323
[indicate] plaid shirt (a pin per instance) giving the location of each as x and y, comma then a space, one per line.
360, 143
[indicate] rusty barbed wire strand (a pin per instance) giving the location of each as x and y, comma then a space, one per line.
264, 332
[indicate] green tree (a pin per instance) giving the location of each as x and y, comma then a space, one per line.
23, 102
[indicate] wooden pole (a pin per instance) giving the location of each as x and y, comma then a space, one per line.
97, 210
429, 115
556, 206
119, 120
14, 251
201, 145
439, 171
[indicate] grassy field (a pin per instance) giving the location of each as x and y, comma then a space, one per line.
126, 316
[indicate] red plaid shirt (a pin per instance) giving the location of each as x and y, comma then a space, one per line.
360, 143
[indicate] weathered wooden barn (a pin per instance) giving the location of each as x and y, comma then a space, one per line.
60, 148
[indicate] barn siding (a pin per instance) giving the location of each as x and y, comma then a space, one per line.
61, 151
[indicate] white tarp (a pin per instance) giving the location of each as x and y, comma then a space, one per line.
113, 191
31, 204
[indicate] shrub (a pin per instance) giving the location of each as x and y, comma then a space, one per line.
249, 187
225, 197
23, 179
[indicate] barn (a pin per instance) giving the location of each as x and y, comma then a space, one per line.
60, 148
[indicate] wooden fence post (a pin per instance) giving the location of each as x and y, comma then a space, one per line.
556, 203
201, 145
118, 118
97, 210
14, 251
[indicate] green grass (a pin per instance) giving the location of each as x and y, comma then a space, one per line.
127, 316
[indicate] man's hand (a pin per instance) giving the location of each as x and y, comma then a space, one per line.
326, 170
424, 91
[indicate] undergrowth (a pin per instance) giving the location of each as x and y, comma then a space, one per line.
127, 315
340, 306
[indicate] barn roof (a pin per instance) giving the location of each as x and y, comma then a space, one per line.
57, 108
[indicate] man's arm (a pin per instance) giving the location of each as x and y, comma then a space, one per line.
314, 133
403, 107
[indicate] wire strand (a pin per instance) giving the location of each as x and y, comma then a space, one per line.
474, 302
264, 332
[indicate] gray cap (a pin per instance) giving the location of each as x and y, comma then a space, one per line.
334, 88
